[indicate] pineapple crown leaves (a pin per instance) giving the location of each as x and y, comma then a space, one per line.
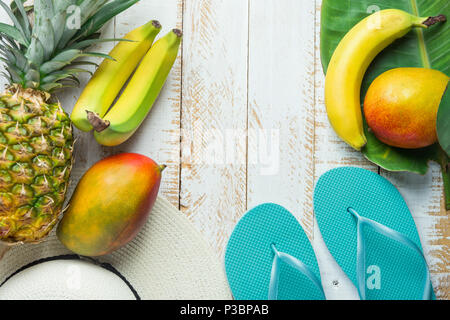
45, 41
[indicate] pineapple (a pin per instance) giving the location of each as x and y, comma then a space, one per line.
41, 52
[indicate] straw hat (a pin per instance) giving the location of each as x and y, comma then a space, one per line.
167, 260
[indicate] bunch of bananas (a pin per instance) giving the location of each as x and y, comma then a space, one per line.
114, 125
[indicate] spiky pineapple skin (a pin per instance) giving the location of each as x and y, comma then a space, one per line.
36, 144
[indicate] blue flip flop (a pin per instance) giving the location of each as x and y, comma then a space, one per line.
369, 230
269, 257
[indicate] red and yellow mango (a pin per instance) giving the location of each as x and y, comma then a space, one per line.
110, 204
401, 106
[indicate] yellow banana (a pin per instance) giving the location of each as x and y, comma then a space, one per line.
111, 75
350, 61
132, 107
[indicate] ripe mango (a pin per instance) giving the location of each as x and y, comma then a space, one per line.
110, 204
401, 106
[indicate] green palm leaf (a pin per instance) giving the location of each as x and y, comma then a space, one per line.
443, 123
14, 19
87, 43
13, 33
23, 17
102, 16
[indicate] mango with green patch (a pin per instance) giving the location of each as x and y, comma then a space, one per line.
401, 106
110, 204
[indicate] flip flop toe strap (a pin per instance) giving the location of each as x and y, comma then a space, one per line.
294, 263
389, 233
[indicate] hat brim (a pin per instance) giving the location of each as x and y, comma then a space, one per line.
168, 259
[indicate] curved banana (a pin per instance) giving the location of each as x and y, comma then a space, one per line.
132, 107
111, 75
350, 61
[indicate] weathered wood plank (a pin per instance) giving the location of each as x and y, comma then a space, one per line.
159, 135
281, 106
424, 196
213, 177
330, 152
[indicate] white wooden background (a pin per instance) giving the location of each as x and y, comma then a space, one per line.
253, 64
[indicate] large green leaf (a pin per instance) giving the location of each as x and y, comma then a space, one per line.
443, 122
420, 48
